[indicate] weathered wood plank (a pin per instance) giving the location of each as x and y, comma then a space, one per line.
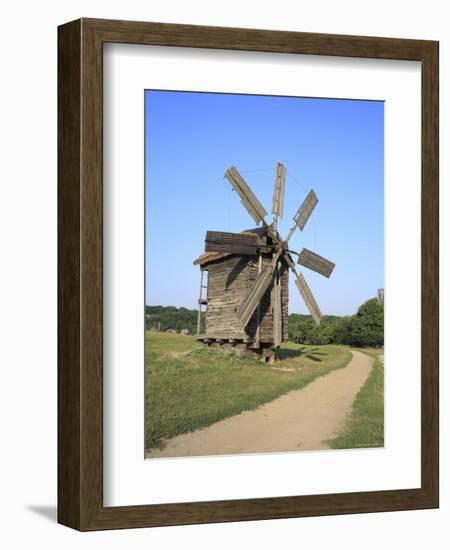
285, 301
305, 210
258, 309
278, 190
276, 308
229, 282
256, 292
200, 300
308, 298
235, 243
248, 198
317, 263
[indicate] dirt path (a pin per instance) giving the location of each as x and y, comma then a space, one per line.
299, 420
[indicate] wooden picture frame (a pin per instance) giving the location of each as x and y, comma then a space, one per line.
80, 272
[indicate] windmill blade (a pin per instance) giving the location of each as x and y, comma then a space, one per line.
305, 210
234, 243
278, 191
248, 198
308, 298
317, 263
256, 292
304, 289
303, 213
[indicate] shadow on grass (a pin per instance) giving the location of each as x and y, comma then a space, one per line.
316, 351
284, 353
287, 353
314, 358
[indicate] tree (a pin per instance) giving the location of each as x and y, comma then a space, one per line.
367, 326
343, 331
300, 327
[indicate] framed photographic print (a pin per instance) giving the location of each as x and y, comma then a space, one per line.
248, 274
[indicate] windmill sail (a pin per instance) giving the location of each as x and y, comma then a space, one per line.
278, 191
308, 298
305, 210
317, 263
248, 198
234, 243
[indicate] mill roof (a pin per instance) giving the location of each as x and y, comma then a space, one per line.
208, 257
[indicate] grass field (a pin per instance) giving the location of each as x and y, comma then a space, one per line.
189, 386
365, 427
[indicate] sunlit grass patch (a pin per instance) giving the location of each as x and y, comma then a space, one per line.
189, 386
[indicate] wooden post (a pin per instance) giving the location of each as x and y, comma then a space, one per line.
276, 305
258, 314
199, 318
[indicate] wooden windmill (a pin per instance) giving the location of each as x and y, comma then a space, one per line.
247, 275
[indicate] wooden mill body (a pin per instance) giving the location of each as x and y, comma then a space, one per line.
230, 276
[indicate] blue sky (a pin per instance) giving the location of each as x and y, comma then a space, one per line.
335, 147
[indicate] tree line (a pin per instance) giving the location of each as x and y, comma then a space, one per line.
365, 328
170, 318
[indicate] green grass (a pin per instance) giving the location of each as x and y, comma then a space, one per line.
189, 386
365, 428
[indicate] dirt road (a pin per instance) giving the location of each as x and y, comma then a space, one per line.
300, 420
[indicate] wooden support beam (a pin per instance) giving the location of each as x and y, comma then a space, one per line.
276, 308
200, 302
256, 292
258, 317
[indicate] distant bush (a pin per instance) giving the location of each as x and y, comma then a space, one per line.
365, 329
